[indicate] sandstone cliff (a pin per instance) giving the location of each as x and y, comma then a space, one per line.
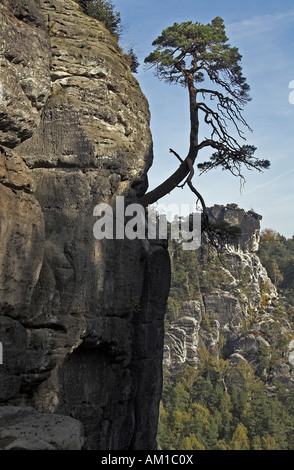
237, 311
81, 319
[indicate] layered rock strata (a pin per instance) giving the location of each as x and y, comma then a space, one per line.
81, 319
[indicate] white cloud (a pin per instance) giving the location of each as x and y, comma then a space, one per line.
261, 24
260, 186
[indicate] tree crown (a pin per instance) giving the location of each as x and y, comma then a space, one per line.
193, 50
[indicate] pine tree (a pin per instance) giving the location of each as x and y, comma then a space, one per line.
186, 54
240, 439
103, 10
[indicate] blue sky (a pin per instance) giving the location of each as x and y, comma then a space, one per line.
264, 33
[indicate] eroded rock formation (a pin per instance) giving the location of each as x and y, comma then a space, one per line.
244, 312
81, 319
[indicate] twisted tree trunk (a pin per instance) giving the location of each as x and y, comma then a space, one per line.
186, 167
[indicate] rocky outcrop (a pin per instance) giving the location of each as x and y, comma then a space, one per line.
81, 319
24, 71
23, 428
248, 222
244, 312
182, 339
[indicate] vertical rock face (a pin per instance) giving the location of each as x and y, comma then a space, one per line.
24, 88
87, 313
24, 71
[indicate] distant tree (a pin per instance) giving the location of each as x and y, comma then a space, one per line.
103, 10
268, 234
277, 256
269, 443
222, 445
191, 443
187, 54
134, 60
240, 439
197, 413
274, 272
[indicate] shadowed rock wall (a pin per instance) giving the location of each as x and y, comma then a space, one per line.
81, 319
